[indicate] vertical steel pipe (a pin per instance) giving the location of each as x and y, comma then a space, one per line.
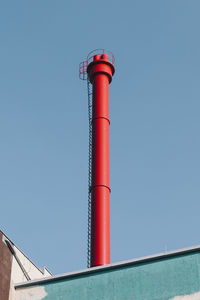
100, 72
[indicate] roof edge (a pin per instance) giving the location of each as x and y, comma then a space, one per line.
38, 268
136, 261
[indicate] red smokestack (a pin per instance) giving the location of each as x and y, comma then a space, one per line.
100, 71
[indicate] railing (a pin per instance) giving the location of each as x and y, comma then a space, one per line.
91, 55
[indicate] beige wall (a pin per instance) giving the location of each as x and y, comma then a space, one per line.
11, 271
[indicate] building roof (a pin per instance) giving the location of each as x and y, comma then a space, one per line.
151, 258
42, 270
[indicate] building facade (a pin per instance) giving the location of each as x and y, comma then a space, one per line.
167, 276
15, 267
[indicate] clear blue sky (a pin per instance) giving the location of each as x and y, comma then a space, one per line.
155, 126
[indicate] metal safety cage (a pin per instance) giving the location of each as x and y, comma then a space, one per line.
110, 55
83, 70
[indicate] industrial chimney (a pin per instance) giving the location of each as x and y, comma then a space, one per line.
98, 69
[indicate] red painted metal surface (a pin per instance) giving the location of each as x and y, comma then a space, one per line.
100, 71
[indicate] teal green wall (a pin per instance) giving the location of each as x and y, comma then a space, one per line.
157, 280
